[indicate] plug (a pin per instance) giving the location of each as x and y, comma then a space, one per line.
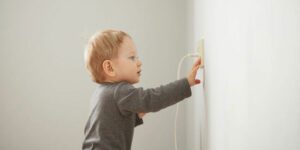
200, 50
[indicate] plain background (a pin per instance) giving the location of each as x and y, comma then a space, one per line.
44, 87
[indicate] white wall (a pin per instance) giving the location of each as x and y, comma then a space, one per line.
44, 88
196, 107
252, 70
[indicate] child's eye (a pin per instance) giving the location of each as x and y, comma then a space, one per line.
133, 58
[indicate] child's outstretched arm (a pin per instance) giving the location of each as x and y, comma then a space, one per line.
135, 100
191, 79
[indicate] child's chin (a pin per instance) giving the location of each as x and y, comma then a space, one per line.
134, 81
137, 81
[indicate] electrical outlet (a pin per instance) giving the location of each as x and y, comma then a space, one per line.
200, 50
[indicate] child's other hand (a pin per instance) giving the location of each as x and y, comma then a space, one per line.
141, 115
192, 76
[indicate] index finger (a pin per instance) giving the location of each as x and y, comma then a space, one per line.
197, 62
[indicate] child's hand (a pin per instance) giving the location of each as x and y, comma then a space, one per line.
191, 77
141, 115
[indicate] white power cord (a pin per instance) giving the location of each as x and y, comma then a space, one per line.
177, 105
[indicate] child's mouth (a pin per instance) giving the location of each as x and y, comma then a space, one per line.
139, 72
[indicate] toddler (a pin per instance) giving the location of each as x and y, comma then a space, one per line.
116, 105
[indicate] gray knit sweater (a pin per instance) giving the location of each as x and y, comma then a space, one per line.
114, 109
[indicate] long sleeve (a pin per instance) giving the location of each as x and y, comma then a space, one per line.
133, 100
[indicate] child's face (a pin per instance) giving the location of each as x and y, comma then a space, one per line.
128, 66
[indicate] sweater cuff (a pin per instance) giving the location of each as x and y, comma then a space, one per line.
187, 92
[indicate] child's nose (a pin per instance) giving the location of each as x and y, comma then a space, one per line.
139, 63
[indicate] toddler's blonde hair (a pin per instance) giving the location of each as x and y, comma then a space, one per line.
102, 46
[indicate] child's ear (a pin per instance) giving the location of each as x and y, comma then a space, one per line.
108, 68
